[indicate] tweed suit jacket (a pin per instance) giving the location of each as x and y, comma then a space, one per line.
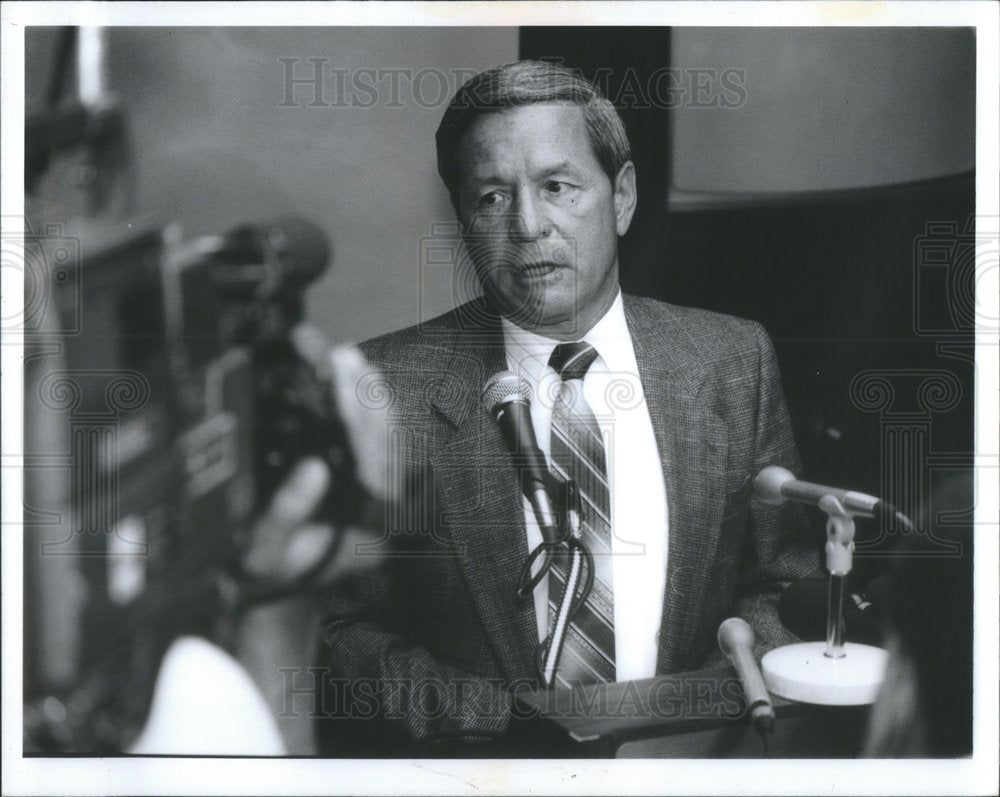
435, 641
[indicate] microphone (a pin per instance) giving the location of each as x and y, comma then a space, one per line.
775, 485
803, 607
736, 641
507, 396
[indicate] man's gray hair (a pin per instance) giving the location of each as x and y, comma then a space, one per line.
526, 83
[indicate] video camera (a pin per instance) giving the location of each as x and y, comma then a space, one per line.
165, 403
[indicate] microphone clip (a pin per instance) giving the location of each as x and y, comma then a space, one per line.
568, 511
840, 531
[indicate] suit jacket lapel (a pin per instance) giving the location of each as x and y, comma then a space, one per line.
481, 505
692, 442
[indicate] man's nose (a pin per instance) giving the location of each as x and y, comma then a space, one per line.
528, 219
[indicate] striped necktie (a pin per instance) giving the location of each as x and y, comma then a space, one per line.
577, 451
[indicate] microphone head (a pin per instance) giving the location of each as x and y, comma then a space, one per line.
769, 482
504, 387
735, 633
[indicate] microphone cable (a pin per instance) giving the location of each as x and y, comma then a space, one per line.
581, 560
888, 512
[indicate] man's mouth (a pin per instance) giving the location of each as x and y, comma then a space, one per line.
542, 268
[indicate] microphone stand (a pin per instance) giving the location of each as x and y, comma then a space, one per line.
839, 556
834, 673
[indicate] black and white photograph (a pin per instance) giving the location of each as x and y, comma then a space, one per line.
463, 398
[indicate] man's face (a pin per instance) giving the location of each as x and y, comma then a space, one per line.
541, 218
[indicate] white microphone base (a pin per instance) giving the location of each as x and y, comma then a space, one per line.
804, 672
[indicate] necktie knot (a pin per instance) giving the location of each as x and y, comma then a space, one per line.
571, 360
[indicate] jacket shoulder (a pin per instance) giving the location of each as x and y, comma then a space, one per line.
442, 363
705, 331
434, 339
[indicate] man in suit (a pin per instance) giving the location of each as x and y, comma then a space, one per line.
688, 404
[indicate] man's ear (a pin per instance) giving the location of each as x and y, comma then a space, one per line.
625, 197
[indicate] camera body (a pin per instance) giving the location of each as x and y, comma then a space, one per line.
165, 403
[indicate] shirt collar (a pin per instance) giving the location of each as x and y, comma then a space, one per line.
528, 352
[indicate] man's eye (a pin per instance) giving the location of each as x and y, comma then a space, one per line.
490, 200
557, 187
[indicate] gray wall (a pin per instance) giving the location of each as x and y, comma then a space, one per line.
217, 144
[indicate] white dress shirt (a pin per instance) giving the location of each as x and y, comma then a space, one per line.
639, 518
